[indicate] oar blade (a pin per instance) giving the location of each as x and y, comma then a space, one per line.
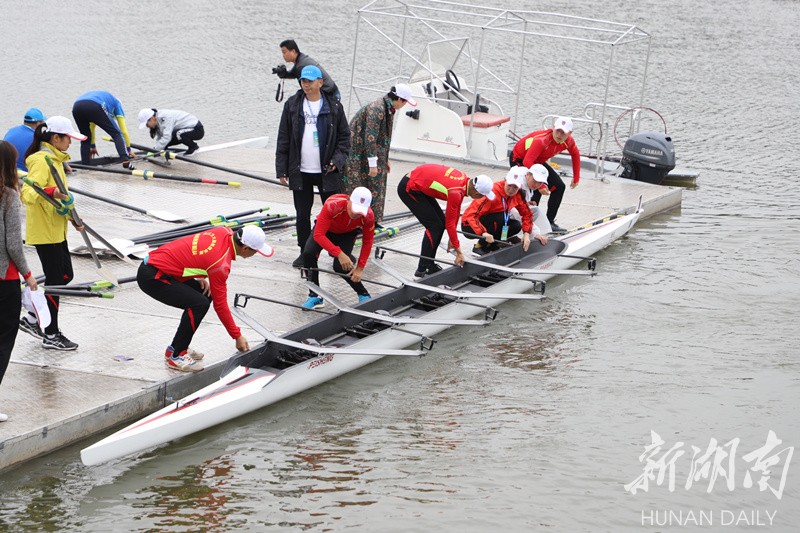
166, 216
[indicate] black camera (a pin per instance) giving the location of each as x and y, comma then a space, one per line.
279, 70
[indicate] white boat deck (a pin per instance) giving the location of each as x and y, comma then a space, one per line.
117, 374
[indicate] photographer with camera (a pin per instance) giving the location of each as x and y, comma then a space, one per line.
292, 54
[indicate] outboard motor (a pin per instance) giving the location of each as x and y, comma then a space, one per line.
648, 156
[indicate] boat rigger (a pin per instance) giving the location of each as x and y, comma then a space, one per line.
344, 341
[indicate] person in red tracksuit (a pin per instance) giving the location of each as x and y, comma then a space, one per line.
335, 231
421, 188
492, 220
192, 272
539, 146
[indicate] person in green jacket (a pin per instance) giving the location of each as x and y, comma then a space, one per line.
46, 229
370, 137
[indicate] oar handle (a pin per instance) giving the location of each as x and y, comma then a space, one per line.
52, 201
63, 188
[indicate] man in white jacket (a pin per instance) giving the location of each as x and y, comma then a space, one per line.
170, 127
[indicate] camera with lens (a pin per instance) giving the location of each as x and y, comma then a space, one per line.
279, 70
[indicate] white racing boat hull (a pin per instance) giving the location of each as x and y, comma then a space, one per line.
246, 388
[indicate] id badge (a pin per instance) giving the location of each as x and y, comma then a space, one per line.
504, 233
316, 139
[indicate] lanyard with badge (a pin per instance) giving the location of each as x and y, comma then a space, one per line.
504, 233
314, 118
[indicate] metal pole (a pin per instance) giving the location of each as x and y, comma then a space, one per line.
477, 96
644, 78
402, 44
601, 157
353, 66
519, 77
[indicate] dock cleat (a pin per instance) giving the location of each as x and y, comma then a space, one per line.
313, 302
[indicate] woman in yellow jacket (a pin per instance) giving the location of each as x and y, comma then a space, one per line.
46, 229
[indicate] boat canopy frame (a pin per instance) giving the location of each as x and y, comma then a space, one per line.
438, 16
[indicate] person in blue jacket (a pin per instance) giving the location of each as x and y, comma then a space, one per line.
22, 136
101, 108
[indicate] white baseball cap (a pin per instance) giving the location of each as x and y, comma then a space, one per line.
404, 91
563, 123
360, 199
516, 176
144, 116
539, 172
253, 237
483, 184
63, 126
516, 172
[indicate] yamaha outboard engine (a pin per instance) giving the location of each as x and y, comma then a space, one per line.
648, 156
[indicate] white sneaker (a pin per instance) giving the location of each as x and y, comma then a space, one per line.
3, 417
184, 363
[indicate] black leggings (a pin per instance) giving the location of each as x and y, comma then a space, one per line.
430, 215
10, 306
311, 252
493, 222
57, 267
188, 136
304, 201
557, 188
187, 295
554, 183
86, 111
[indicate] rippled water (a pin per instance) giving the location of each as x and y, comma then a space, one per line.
537, 422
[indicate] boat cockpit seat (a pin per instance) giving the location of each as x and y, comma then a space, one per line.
484, 120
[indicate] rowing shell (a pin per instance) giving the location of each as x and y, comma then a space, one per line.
263, 376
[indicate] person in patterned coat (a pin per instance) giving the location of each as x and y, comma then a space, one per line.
370, 137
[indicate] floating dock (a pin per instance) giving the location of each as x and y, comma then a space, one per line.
118, 374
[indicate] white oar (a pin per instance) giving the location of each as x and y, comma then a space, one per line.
156, 213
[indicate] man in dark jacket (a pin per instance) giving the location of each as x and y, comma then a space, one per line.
292, 54
313, 144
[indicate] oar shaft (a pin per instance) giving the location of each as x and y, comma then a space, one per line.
233, 224
148, 174
211, 221
173, 155
109, 200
